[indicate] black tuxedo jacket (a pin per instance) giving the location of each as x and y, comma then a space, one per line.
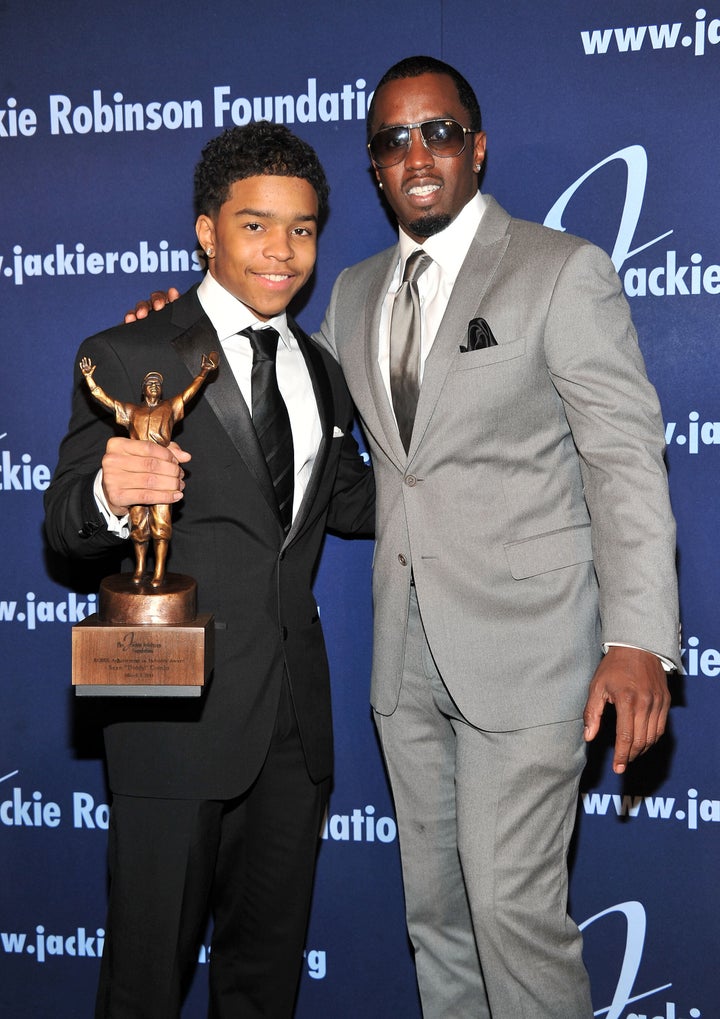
227, 535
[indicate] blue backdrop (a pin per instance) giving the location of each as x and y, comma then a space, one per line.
602, 120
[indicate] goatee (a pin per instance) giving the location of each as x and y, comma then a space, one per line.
428, 226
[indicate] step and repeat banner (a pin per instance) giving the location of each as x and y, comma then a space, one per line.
602, 120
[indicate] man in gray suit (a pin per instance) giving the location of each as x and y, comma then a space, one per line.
524, 527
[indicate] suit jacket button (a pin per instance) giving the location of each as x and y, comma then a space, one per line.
411, 480
402, 560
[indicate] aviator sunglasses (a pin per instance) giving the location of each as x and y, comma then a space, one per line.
445, 138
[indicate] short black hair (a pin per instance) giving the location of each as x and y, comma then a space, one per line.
255, 150
413, 67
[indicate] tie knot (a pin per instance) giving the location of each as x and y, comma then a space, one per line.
416, 265
264, 342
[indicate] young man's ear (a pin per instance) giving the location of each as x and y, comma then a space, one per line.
205, 230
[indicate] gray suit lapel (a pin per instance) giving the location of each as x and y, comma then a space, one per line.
378, 416
478, 270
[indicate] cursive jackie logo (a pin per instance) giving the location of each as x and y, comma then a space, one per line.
625, 994
675, 275
635, 158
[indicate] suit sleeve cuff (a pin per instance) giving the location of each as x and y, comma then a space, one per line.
667, 665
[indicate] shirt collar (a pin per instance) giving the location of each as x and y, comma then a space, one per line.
229, 316
449, 247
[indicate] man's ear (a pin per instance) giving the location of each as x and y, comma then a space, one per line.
205, 230
479, 144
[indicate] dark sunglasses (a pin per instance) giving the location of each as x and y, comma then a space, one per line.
445, 138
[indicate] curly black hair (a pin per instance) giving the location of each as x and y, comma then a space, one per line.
413, 67
255, 150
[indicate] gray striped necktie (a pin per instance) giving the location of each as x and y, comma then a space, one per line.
405, 346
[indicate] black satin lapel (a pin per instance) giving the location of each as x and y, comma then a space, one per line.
224, 397
324, 400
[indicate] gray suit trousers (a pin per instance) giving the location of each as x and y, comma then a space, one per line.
484, 821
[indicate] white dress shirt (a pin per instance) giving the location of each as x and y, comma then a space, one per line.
447, 250
229, 316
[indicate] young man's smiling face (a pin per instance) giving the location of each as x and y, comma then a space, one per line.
263, 241
426, 192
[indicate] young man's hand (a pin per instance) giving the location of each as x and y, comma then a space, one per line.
138, 471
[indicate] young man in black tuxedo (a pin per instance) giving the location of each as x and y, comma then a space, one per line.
217, 801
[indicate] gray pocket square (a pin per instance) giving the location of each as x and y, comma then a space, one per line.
479, 336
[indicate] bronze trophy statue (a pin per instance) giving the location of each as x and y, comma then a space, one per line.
155, 420
169, 648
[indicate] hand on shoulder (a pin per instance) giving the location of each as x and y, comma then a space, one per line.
158, 300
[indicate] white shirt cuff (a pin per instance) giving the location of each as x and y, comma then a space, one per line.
665, 662
116, 525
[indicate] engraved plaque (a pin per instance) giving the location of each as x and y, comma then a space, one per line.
147, 660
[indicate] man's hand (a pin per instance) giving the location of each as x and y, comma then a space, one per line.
158, 300
141, 472
635, 682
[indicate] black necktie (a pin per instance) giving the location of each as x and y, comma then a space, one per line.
405, 346
271, 420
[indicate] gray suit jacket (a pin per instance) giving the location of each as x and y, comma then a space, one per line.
532, 507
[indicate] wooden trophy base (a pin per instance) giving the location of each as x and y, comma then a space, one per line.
143, 641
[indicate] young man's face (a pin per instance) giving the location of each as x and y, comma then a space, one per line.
264, 241
426, 192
